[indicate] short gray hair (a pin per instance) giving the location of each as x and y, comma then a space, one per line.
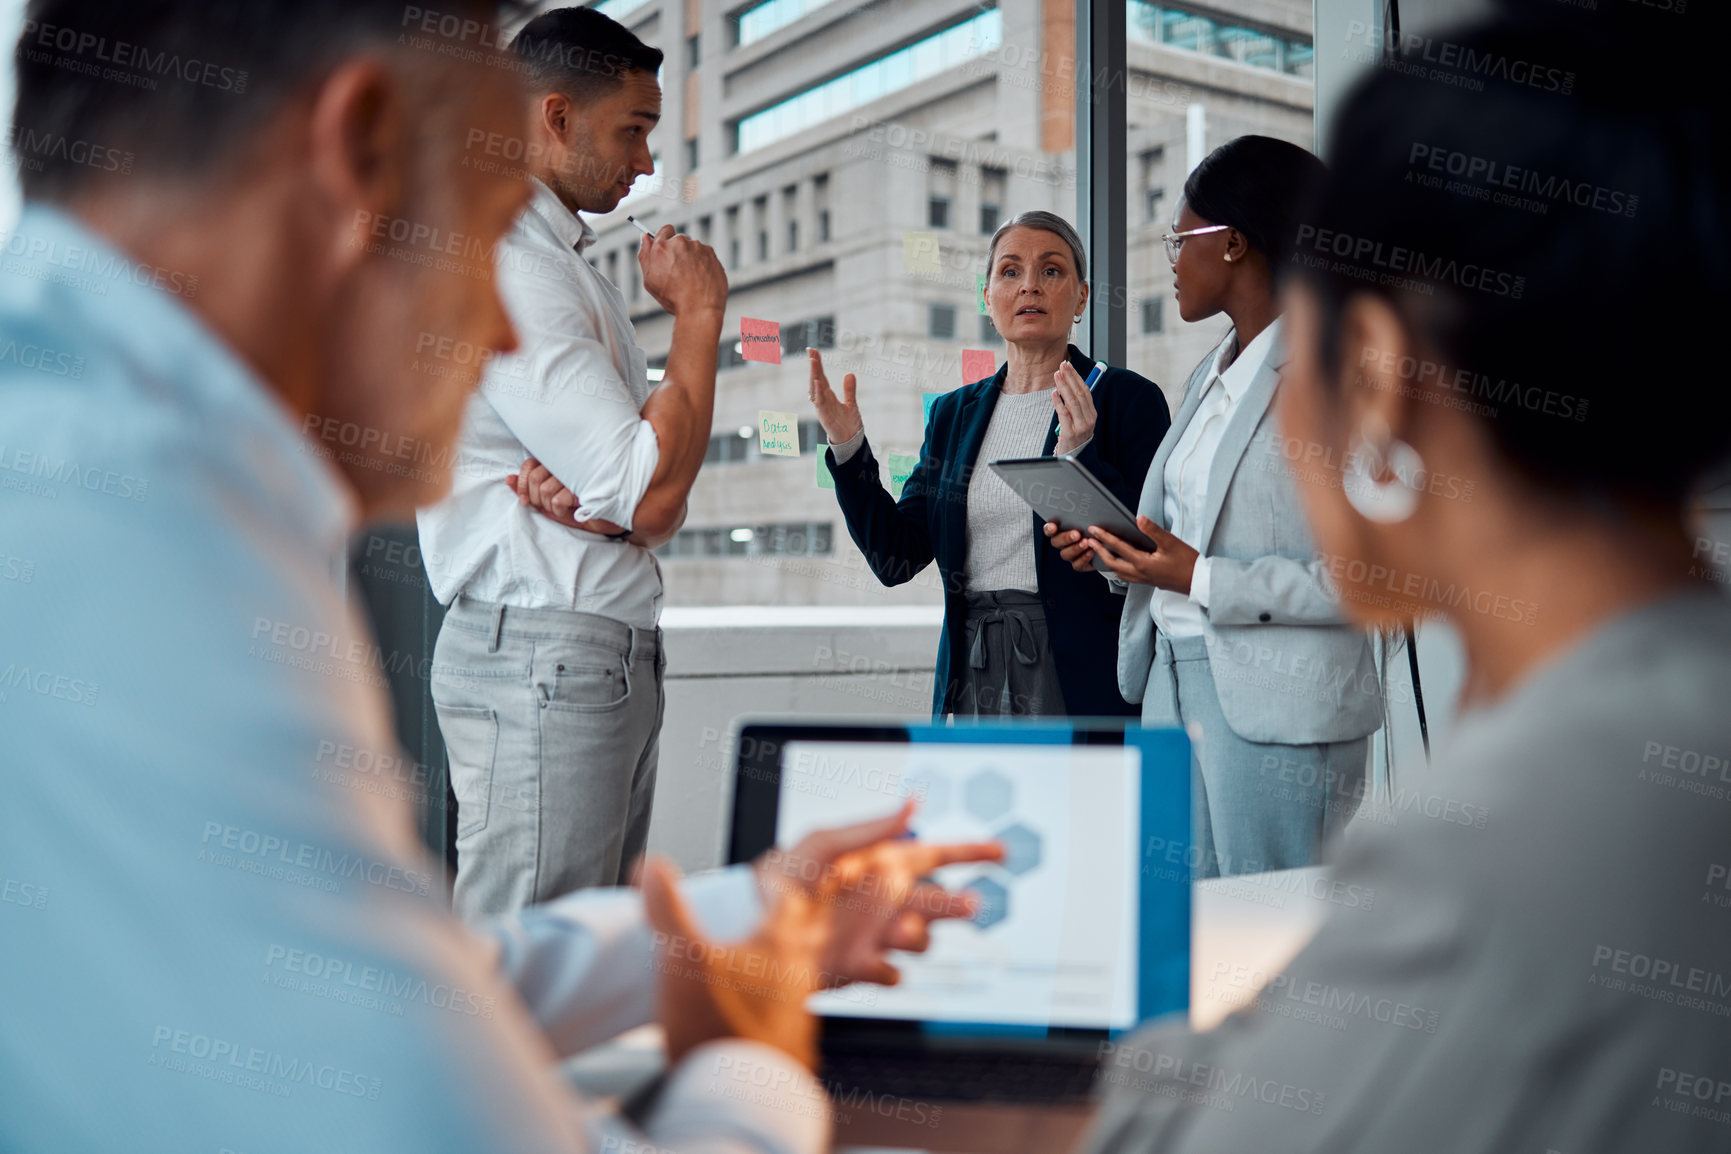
1043, 221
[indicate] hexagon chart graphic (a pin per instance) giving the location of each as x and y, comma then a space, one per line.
987, 795
994, 901
1021, 848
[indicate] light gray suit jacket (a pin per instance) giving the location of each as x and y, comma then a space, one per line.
1527, 950
1286, 666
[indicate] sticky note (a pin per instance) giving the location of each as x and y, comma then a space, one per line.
825, 478
920, 250
777, 433
760, 340
930, 399
977, 363
901, 466
980, 292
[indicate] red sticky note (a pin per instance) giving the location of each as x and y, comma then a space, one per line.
760, 340
977, 363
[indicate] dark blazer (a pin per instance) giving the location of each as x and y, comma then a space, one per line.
930, 522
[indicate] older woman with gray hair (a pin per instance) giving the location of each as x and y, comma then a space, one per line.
1024, 633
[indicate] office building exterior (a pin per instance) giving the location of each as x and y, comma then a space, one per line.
849, 164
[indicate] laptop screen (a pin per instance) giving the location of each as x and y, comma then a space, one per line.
1055, 942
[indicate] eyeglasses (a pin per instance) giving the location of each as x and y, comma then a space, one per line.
1175, 240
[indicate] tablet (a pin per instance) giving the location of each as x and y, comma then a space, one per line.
1061, 489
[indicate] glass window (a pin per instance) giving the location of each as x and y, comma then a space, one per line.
617, 9
763, 529
820, 202
892, 73
803, 335
938, 212
795, 539
1176, 27
760, 20
693, 51
988, 331
1153, 314
941, 322
993, 190
1165, 139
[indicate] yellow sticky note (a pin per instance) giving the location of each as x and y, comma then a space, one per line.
920, 251
777, 433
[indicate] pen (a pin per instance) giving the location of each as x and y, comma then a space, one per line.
640, 226
1099, 368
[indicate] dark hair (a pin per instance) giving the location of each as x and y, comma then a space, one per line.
1555, 240
581, 54
175, 86
1258, 185
1043, 221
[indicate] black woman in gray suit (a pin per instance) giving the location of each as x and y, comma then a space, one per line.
1231, 628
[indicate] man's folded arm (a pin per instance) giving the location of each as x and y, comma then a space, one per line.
572, 411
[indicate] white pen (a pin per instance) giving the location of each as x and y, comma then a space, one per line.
1093, 377
640, 226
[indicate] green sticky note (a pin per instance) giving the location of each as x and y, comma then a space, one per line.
980, 292
930, 399
901, 468
825, 479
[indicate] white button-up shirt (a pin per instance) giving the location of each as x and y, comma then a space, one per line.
572, 397
1186, 475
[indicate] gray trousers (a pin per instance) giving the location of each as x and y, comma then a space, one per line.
1258, 805
1007, 668
552, 722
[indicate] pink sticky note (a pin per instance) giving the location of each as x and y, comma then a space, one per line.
760, 340
977, 363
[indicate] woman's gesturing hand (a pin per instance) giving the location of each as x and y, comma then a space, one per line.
840, 417
1075, 405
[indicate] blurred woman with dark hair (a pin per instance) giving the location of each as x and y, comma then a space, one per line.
1547, 964
1230, 628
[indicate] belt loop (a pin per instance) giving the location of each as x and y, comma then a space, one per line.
631, 634
498, 628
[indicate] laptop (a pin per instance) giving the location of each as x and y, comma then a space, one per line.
1083, 931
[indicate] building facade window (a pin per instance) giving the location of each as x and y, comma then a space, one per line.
993, 190
693, 51
1153, 315
1153, 190
818, 333
901, 69
820, 202
788, 539
1177, 27
940, 191
759, 20
988, 331
941, 322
